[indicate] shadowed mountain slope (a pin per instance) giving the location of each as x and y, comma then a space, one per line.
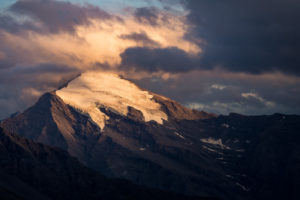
157, 142
30, 170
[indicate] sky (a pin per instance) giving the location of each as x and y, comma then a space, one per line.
217, 56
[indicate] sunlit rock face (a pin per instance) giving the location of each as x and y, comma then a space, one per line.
94, 90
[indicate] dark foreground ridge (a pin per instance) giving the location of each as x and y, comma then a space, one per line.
30, 170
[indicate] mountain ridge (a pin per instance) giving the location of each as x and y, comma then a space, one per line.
192, 152
50, 173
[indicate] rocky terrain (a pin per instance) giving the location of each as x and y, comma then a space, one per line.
182, 150
30, 170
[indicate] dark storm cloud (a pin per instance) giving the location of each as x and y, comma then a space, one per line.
58, 16
240, 36
10, 24
8, 57
158, 59
44, 68
22, 85
25, 74
247, 36
142, 38
147, 15
6, 63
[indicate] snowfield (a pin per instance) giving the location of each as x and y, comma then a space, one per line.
93, 90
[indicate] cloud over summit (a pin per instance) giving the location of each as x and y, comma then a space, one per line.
204, 53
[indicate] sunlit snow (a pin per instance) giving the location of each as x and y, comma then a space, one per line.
93, 90
215, 142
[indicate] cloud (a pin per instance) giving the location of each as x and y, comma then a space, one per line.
21, 86
255, 96
247, 36
12, 25
232, 37
141, 38
2, 55
58, 16
169, 59
147, 15
47, 42
205, 60
82, 44
194, 89
218, 87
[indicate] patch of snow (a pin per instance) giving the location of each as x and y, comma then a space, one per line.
229, 176
247, 141
240, 150
226, 125
241, 186
212, 150
142, 149
235, 141
218, 142
179, 135
93, 90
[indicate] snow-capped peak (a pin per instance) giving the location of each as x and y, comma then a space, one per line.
94, 89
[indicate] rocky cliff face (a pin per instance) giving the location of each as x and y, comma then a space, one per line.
155, 141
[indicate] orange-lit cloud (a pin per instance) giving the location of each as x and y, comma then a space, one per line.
41, 48
99, 41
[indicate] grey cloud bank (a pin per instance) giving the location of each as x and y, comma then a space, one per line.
249, 61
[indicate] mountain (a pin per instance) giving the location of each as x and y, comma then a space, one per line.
31, 170
123, 131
